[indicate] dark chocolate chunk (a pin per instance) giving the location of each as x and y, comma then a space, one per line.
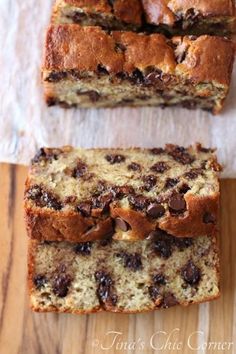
137, 77
159, 279
162, 243
77, 16
171, 182
160, 167
102, 70
131, 261
149, 182
183, 242
153, 78
139, 202
209, 218
121, 191
154, 292
45, 154
193, 174
115, 158
93, 95
134, 167
80, 169
180, 154
155, 210
61, 284
83, 248
85, 208
103, 201
169, 300
177, 203
184, 188
39, 281
105, 291
122, 224
43, 198
191, 273
56, 76
51, 101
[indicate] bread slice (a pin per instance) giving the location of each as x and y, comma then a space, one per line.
119, 276
88, 67
170, 17
119, 14
81, 195
191, 17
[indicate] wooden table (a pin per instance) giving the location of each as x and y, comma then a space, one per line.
22, 331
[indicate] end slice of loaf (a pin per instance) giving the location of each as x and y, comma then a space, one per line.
81, 195
124, 277
89, 67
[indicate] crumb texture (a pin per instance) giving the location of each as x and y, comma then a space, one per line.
84, 195
117, 276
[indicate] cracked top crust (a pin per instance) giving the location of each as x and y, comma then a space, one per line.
71, 47
166, 11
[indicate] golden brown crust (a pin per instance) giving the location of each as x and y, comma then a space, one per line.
67, 48
167, 11
46, 224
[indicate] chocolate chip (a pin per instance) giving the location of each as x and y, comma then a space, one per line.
115, 158
131, 261
190, 18
177, 203
39, 281
139, 202
105, 288
180, 154
149, 182
43, 198
159, 279
162, 243
193, 174
157, 151
46, 154
121, 191
60, 284
154, 292
102, 70
160, 167
56, 76
169, 300
153, 78
183, 242
85, 208
137, 77
107, 239
184, 188
94, 96
134, 167
103, 201
80, 169
171, 182
209, 218
78, 17
191, 273
83, 248
155, 210
51, 101
122, 224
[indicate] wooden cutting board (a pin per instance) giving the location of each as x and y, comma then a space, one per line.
170, 331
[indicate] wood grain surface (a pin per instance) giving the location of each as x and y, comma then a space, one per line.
208, 328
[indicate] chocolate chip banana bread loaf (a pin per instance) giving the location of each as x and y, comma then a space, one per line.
109, 14
171, 17
88, 67
82, 195
119, 276
191, 16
